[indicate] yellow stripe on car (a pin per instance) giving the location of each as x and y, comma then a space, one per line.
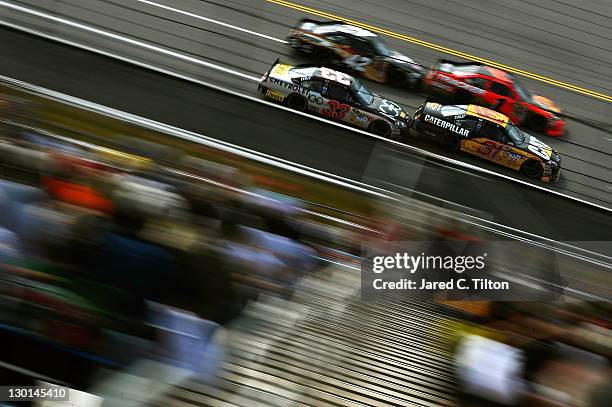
488, 114
445, 50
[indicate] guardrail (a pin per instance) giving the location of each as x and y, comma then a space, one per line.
351, 201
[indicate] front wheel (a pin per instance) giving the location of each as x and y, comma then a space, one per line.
532, 169
380, 128
295, 43
297, 102
397, 78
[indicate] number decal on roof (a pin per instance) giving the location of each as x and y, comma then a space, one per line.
335, 76
489, 114
357, 62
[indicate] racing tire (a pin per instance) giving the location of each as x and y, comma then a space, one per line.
532, 169
294, 43
380, 128
297, 102
450, 142
536, 123
397, 78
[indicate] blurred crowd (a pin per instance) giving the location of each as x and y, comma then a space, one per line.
136, 260
111, 259
536, 354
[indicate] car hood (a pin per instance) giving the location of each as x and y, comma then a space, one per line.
537, 147
545, 103
388, 108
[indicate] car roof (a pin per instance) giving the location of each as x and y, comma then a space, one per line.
469, 70
343, 28
487, 114
323, 73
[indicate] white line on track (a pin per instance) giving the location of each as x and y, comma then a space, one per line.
210, 20
128, 40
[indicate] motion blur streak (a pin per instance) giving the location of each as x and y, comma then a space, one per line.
128, 40
210, 20
440, 48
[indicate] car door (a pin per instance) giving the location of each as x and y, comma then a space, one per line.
491, 143
365, 61
501, 98
472, 142
316, 102
337, 101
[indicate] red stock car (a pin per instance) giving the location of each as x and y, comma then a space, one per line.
471, 82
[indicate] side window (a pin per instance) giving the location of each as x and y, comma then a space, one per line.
339, 93
493, 131
339, 39
362, 47
478, 82
500, 89
314, 85
468, 124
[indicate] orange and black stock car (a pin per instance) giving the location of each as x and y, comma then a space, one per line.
487, 134
353, 49
471, 82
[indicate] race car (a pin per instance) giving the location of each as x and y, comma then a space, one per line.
361, 52
470, 82
335, 95
487, 134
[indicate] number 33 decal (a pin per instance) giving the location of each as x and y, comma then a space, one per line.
336, 110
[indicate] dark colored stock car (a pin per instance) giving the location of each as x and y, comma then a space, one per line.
357, 50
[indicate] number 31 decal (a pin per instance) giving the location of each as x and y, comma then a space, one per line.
336, 110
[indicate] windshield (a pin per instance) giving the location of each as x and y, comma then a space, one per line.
362, 94
380, 46
522, 91
515, 134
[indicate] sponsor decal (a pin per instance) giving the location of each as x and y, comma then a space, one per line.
290, 86
359, 118
390, 108
538, 152
357, 62
433, 106
446, 125
460, 84
538, 148
274, 95
317, 100
513, 157
281, 69
335, 76
488, 114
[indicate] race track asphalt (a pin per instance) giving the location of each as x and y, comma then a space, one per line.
286, 135
555, 38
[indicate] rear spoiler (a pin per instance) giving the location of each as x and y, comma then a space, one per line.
265, 77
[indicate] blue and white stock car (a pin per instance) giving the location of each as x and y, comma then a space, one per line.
336, 96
